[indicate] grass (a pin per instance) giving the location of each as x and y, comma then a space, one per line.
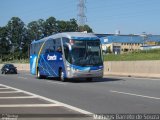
133, 56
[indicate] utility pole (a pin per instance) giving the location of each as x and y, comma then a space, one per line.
81, 12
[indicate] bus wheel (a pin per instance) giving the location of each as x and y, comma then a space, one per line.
38, 74
61, 75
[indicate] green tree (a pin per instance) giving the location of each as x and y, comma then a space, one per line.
4, 42
16, 33
67, 26
15, 37
36, 29
41, 24
85, 28
72, 25
50, 26
26, 44
62, 26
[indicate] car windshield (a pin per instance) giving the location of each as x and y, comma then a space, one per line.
10, 65
85, 53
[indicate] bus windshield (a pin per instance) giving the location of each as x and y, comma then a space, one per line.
85, 53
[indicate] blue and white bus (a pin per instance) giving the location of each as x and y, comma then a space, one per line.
67, 55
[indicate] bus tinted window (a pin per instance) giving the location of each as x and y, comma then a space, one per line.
58, 43
49, 46
65, 40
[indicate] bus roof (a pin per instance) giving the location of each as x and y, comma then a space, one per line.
70, 35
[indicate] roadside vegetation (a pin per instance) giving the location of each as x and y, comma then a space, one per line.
133, 56
24, 61
16, 36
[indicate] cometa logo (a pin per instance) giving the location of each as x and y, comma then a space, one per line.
52, 57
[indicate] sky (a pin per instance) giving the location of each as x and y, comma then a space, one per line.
103, 16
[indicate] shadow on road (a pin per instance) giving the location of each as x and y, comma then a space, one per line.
95, 80
82, 80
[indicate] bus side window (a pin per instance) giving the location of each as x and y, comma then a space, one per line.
54, 48
53, 44
47, 51
59, 49
48, 47
57, 46
65, 40
58, 42
54, 41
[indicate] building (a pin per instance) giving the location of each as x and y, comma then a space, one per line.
113, 43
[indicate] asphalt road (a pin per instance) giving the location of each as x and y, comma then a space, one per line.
110, 95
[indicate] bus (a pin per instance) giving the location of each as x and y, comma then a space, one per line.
67, 55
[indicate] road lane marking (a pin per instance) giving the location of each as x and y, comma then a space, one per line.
134, 77
10, 92
52, 101
3, 88
22, 77
156, 98
18, 97
30, 105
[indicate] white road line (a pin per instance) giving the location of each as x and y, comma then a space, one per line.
154, 79
52, 101
18, 97
136, 78
10, 92
135, 95
3, 88
22, 77
30, 105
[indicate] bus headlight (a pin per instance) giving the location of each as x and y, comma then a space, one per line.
68, 68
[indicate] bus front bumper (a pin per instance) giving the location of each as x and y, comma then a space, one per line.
85, 74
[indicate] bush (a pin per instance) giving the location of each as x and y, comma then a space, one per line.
15, 57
